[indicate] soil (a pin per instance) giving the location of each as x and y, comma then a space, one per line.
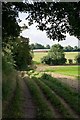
73, 113
55, 111
65, 104
28, 105
69, 80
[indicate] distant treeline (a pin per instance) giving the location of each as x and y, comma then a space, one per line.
66, 49
39, 46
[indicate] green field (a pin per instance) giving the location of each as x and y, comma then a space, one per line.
39, 55
65, 70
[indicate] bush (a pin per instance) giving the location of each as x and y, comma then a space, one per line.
46, 60
70, 61
55, 56
52, 61
77, 59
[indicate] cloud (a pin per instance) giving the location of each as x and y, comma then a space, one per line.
37, 36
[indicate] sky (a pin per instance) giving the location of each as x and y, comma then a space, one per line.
38, 36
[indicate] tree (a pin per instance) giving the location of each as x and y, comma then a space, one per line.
47, 46
55, 56
32, 46
68, 48
75, 48
39, 46
10, 27
55, 18
10, 32
22, 54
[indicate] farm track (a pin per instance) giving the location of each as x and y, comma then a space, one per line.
67, 107
55, 112
71, 111
64, 98
28, 105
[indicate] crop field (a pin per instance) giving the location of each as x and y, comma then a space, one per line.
39, 55
53, 98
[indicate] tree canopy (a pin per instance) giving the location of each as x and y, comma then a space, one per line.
55, 18
22, 53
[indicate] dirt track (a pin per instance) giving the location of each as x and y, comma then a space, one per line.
28, 106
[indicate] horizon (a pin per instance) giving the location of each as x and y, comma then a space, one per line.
52, 45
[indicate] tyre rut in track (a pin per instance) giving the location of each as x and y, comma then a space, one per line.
65, 104
28, 107
55, 111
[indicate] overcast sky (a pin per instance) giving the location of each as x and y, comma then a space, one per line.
37, 36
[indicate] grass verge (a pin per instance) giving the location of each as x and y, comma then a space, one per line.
65, 70
14, 107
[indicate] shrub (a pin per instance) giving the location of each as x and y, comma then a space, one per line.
46, 60
55, 56
70, 61
52, 61
77, 59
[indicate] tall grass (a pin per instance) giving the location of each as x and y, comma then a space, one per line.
8, 79
13, 110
